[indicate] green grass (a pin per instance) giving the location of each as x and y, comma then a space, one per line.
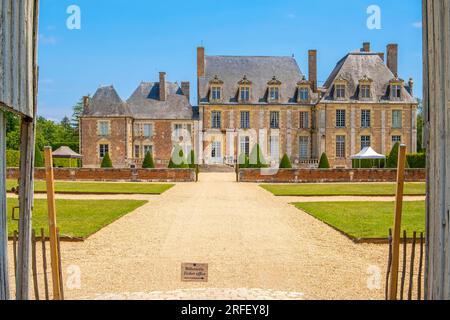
367, 219
98, 187
77, 218
337, 189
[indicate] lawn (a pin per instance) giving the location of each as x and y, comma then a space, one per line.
361, 220
98, 187
77, 218
337, 189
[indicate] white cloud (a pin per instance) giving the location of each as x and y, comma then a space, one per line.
47, 39
417, 24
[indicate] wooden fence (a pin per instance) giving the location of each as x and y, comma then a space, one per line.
40, 268
411, 276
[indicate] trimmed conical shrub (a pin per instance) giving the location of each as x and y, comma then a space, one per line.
38, 159
243, 161
177, 161
392, 159
285, 162
256, 159
192, 162
324, 163
148, 161
106, 161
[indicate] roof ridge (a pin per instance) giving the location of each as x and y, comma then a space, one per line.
250, 56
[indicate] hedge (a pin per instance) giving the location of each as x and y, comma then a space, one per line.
417, 160
12, 158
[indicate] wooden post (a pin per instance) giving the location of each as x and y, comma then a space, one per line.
397, 222
4, 274
436, 98
52, 223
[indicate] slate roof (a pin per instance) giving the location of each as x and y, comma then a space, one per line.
258, 70
144, 103
358, 65
107, 103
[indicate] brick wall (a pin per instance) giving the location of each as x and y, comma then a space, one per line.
82, 174
332, 175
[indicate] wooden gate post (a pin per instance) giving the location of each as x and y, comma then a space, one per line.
436, 98
52, 223
4, 275
397, 222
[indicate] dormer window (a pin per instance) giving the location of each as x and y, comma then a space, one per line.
244, 89
340, 89
216, 89
365, 85
274, 90
396, 86
303, 90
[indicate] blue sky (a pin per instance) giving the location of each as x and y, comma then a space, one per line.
124, 42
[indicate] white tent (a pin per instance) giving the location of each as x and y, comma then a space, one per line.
368, 154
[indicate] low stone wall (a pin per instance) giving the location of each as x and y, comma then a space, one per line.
329, 175
82, 174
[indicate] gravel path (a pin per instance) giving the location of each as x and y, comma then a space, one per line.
250, 239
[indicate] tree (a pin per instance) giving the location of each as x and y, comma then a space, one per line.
78, 110
106, 161
192, 162
420, 148
38, 159
285, 162
177, 161
256, 159
148, 161
324, 163
392, 158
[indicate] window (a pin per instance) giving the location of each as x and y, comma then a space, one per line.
245, 119
274, 94
148, 149
364, 91
244, 146
304, 120
148, 130
274, 147
396, 91
137, 151
304, 147
216, 150
216, 122
340, 147
396, 119
216, 93
396, 139
340, 118
274, 120
340, 91
103, 149
245, 93
103, 127
365, 142
365, 119
304, 94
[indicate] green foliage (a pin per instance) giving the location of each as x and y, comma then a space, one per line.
148, 161
243, 161
416, 160
392, 158
285, 162
38, 159
192, 162
106, 162
256, 159
324, 163
12, 158
420, 149
178, 161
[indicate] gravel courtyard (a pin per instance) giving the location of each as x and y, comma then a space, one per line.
257, 247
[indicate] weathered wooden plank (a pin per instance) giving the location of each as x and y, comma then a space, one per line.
16, 55
4, 274
436, 102
44, 264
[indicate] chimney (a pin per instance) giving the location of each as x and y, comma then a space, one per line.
86, 100
366, 47
392, 58
162, 86
185, 88
411, 86
200, 62
312, 69
381, 55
